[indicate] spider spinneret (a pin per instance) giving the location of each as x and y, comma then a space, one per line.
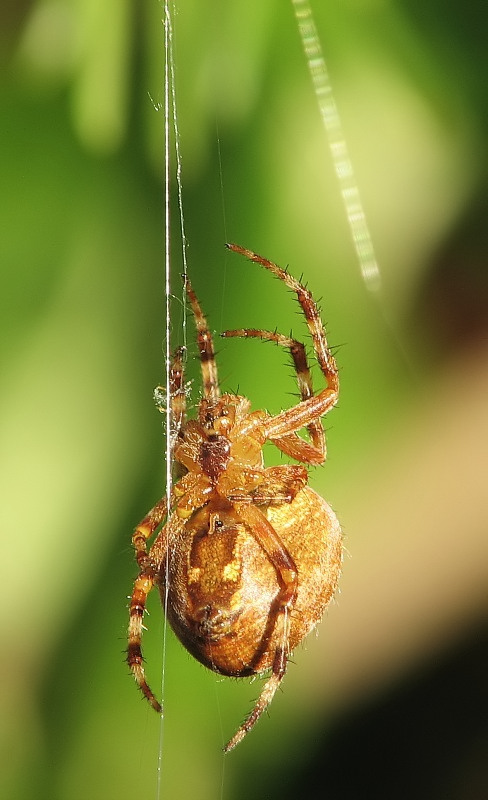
248, 556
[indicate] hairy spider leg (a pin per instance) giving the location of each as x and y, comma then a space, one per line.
281, 429
177, 390
280, 485
211, 391
287, 575
304, 377
269, 689
177, 394
192, 492
149, 563
301, 415
149, 566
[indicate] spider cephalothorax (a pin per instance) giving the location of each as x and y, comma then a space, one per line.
248, 557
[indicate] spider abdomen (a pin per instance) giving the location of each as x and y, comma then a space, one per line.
224, 591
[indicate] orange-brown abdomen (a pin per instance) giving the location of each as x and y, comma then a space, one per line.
223, 588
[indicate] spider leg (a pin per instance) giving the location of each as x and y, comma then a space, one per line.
177, 391
304, 377
211, 391
148, 564
279, 485
269, 688
192, 493
177, 394
307, 410
294, 446
145, 530
287, 575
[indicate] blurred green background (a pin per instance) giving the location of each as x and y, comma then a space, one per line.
390, 699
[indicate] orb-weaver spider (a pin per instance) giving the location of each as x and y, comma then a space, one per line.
248, 556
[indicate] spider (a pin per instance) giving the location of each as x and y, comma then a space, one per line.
248, 557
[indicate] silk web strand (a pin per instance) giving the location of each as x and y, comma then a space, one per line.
361, 236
